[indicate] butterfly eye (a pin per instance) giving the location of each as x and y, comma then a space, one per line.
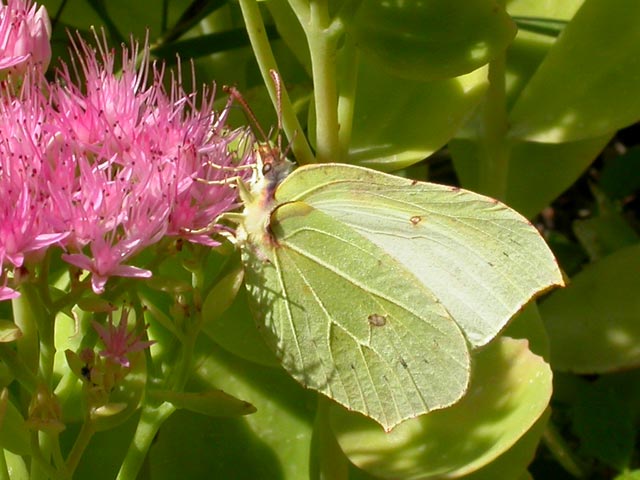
266, 168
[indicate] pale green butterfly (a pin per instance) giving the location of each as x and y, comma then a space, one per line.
372, 288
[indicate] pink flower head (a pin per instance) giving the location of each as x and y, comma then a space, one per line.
118, 341
25, 203
25, 32
106, 162
140, 154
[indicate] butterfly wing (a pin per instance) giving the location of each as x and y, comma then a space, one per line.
347, 319
477, 256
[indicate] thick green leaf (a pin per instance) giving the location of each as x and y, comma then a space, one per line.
626, 385
481, 259
607, 231
528, 325
529, 48
593, 323
236, 332
192, 447
593, 69
603, 421
77, 14
509, 391
431, 39
213, 403
196, 12
9, 331
621, 175
14, 434
543, 9
530, 188
633, 475
208, 44
419, 117
346, 320
16, 466
221, 296
514, 462
272, 443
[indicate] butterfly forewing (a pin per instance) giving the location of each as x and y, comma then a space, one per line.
481, 259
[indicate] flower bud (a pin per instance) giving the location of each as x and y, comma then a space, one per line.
25, 33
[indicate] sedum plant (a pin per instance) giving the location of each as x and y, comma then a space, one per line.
182, 297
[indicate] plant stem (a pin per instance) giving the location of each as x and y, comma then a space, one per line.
25, 313
151, 420
82, 441
557, 446
266, 63
50, 443
288, 25
495, 148
40, 466
47, 348
322, 46
347, 95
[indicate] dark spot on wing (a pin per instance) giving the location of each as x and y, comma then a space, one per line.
377, 320
403, 363
416, 219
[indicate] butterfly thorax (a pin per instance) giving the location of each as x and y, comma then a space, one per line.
259, 201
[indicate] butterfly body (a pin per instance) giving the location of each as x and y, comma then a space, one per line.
259, 200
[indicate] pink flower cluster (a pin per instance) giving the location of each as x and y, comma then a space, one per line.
104, 163
24, 36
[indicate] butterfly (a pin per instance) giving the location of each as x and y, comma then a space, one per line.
372, 289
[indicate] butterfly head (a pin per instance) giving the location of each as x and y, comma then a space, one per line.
272, 167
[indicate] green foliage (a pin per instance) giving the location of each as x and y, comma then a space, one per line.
595, 53
521, 116
593, 323
432, 39
458, 440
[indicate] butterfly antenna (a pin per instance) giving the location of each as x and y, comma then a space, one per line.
275, 77
237, 96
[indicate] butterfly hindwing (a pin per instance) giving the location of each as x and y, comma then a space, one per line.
317, 296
